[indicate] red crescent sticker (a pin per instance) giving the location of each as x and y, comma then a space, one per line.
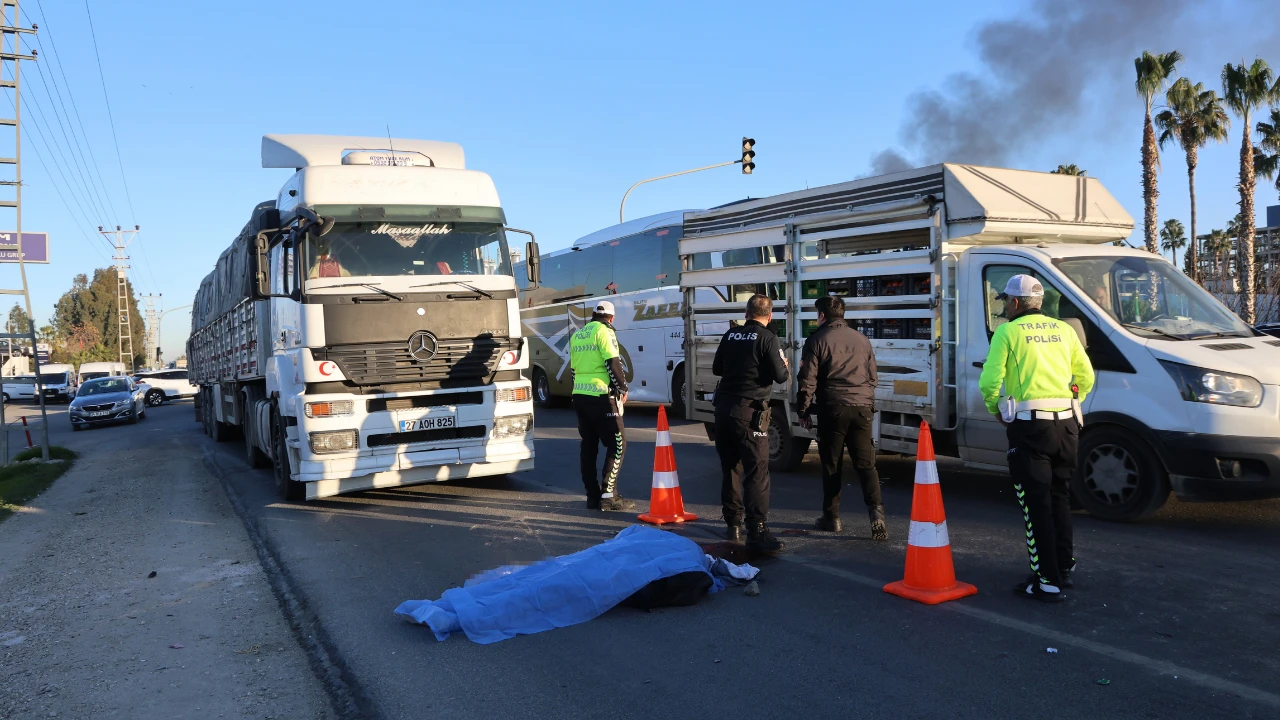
326, 368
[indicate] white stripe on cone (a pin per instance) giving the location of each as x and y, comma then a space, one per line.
926, 472
666, 479
928, 535
664, 438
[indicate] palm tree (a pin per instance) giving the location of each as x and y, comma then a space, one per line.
1173, 237
1153, 72
1194, 117
1071, 169
1246, 89
1266, 156
1216, 245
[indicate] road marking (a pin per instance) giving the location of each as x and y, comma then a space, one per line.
1060, 638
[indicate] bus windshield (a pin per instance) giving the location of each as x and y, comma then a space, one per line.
356, 249
1152, 299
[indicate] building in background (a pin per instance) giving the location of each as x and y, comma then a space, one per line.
1219, 276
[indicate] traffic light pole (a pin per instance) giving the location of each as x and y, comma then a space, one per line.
622, 210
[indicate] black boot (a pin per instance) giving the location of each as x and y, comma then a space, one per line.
829, 523
760, 540
734, 532
593, 502
879, 531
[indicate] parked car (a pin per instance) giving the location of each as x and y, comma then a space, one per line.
1272, 329
107, 400
166, 385
19, 387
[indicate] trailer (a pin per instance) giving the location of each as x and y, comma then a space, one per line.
1188, 396
362, 330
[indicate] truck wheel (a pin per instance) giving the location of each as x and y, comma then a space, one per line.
1119, 477
154, 398
786, 451
286, 487
256, 458
219, 431
677, 393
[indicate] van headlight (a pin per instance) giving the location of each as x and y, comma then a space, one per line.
332, 441
1214, 386
512, 426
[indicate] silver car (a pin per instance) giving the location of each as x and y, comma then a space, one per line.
107, 400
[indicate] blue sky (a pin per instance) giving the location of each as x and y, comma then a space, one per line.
564, 104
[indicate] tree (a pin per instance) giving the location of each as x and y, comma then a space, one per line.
1067, 170
1266, 155
93, 304
1194, 117
1245, 90
1173, 237
18, 321
1217, 244
1153, 72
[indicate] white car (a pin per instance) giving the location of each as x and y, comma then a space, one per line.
166, 385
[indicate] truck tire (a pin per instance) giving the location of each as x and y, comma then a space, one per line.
677, 393
256, 458
219, 431
286, 486
1119, 476
786, 452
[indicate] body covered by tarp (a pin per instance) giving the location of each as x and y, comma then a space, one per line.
561, 591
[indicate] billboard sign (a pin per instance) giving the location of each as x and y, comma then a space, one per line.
35, 247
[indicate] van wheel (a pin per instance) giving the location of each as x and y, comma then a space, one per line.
6, 397
1119, 477
677, 393
286, 486
154, 398
786, 451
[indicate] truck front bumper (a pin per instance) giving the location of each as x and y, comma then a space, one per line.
326, 478
1222, 467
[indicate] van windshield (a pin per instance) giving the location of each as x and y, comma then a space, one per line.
1151, 299
92, 375
53, 378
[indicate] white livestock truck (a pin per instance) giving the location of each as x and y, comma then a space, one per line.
1187, 398
363, 331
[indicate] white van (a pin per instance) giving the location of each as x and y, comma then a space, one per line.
58, 382
1187, 396
19, 387
91, 370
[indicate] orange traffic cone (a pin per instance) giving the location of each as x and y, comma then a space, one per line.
666, 505
930, 577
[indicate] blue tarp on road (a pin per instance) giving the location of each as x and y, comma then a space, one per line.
560, 591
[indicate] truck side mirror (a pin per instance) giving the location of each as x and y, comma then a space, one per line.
532, 263
262, 266
295, 288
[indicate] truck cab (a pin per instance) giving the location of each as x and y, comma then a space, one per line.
1187, 396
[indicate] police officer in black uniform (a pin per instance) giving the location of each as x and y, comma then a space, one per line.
749, 361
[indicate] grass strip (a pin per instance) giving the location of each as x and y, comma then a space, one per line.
21, 482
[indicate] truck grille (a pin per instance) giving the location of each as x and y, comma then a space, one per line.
383, 363
421, 436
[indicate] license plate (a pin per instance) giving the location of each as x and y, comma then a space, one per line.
435, 422
104, 413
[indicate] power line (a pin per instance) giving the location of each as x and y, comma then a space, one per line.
101, 76
80, 164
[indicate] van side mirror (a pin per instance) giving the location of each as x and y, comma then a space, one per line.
532, 262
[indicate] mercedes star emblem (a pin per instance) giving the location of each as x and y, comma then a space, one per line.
423, 346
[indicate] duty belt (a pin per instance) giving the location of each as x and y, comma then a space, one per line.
1044, 415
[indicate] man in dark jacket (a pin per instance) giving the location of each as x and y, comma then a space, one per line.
838, 377
748, 362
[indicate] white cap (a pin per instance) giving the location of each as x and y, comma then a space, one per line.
1022, 286
604, 307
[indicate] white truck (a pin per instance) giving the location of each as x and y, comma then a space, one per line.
1187, 397
363, 330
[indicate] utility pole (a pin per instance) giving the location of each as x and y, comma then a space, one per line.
151, 327
10, 58
122, 289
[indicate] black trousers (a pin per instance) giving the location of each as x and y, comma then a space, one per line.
841, 427
744, 463
600, 423
1042, 461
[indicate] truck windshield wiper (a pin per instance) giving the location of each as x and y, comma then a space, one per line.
371, 286
468, 286
1157, 331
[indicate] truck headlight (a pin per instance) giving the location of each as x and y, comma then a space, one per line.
329, 409
513, 394
511, 426
332, 441
1214, 386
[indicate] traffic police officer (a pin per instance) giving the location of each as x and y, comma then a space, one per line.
1046, 374
748, 361
599, 393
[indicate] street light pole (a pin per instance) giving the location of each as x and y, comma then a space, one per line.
160, 321
622, 210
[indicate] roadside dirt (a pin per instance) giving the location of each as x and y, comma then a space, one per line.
130, 590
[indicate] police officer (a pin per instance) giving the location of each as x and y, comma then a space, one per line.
1046, 374
838, 378
599, 393
749, 361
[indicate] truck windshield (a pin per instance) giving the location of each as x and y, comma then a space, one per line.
1151, 299
359, 249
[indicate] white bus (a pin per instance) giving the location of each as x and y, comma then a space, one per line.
636, 266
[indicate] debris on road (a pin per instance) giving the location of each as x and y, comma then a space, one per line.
1104, 681
151, 574
753, 589
1051, 650
731, 573
176, 646
562, 591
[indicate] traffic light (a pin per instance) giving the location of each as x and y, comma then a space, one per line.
748, 155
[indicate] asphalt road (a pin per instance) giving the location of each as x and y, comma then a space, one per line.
1173, 617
